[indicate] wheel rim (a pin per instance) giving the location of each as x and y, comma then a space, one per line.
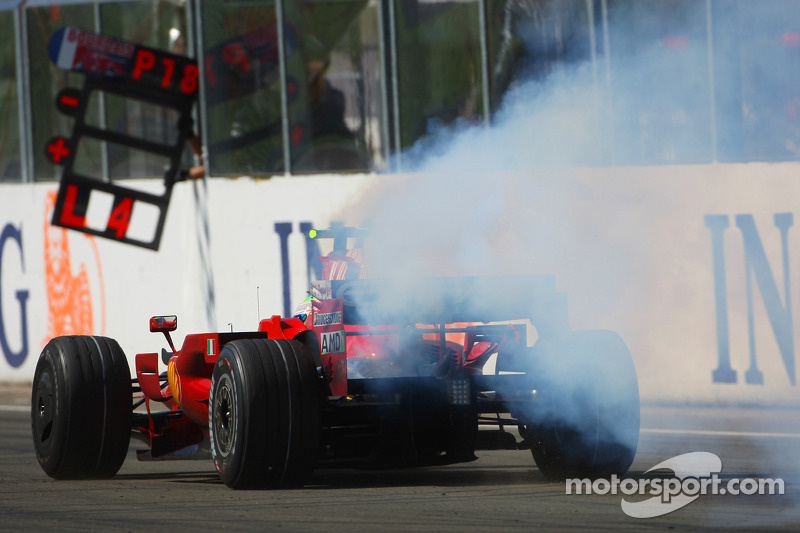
225, 416
44, 410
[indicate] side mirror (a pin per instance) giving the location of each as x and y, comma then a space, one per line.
163, 323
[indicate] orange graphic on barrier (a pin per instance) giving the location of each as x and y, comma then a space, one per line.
69, 296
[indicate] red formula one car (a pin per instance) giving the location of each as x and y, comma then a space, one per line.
369, 372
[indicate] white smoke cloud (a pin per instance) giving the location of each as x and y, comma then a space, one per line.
504, 199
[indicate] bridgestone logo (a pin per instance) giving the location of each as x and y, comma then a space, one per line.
327, 319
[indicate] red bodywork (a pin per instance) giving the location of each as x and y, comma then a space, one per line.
189, 380
190, 368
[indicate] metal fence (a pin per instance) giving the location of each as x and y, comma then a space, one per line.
336, 86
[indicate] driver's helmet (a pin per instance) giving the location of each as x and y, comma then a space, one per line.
303, 311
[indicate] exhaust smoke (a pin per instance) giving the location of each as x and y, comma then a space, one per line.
514, 199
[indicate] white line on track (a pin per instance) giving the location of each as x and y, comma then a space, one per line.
711, 433
16, 408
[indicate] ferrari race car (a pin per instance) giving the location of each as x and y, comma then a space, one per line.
367, 373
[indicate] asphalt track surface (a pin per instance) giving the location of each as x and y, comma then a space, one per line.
501, 491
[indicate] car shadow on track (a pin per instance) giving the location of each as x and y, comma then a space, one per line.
325, 479
451, 476
175, 477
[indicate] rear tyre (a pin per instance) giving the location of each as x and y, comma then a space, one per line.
264, 414
587, 422
81, 407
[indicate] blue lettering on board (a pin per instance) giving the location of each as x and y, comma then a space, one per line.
313, 264
312, 253
283, 229
779, 311
723, 373
15, 359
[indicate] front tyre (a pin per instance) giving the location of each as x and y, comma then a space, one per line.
81, 407
264, 414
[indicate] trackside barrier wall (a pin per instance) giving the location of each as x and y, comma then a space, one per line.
696, 267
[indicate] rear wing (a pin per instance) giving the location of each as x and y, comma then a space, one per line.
340, 236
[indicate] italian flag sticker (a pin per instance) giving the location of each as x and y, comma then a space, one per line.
211, 346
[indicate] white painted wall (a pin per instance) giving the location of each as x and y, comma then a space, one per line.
629, 246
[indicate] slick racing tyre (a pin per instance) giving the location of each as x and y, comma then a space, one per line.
81, 407
587, 424
264, 414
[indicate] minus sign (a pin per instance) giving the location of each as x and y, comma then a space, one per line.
69, 101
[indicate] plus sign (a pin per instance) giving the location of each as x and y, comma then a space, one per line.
297, 134
58, 150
